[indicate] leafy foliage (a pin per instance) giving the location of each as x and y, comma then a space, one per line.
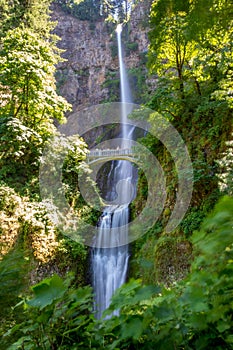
21, 148
12, 269
190, 53
47, 292
27, 225
195, 313
226, 175
85, 10
28, 65
30, 103
13, 282
56, 317
26, 13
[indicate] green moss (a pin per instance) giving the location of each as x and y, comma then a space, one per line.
142, 256
137, 81
114, 50
172, 259
112, 83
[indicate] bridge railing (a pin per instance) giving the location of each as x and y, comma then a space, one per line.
98, 153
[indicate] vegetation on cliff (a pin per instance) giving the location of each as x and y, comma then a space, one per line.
94, 10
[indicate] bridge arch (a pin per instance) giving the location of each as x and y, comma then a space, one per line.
99, 156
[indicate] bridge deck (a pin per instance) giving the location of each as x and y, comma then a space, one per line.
99, 154
110, 152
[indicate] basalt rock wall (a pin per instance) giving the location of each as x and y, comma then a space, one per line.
90, 54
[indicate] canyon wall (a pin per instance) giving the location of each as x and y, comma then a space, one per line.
90, 69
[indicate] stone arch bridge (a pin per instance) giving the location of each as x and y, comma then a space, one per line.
99, 155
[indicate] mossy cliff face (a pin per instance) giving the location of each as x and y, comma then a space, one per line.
91, 54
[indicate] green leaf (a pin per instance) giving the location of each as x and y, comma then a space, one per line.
47, 291
133, 328
198, 321
145, 293
223, 326
164, 313
20, 344
230, 339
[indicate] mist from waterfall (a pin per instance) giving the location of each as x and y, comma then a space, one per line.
110, 255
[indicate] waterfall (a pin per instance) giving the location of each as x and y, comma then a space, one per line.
110, 255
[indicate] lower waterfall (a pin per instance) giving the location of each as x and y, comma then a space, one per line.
110, 264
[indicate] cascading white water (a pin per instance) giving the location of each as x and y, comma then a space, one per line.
110, 257
125, 90
110, 264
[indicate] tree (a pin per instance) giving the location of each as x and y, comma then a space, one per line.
191, 54
31, 14
123, 9
85, 10
184, 47
118, 10
29, 102
28, 66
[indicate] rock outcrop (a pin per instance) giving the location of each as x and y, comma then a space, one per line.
89, 53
